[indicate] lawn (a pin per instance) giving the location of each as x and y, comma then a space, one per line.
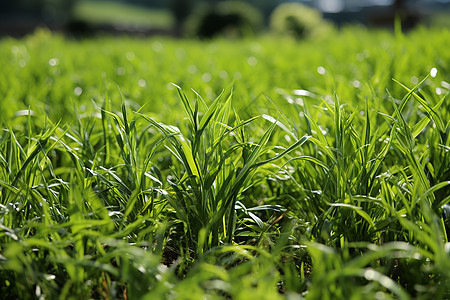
226, 169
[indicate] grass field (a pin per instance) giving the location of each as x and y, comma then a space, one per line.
261, 168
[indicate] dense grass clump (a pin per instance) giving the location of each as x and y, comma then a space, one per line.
316, 169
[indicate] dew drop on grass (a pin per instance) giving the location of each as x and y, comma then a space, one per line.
356, 84
24, 112
289, 99
287, 137
252, 61
130, 55
142, 83
433, 72
207, 77
369, 274
120, 71
299, 101
170, 86
223, 74
414, 80
53, 62
439, 91
192, 69
300, 92
445, 84
321, 70
49, 277
142, 269
447, 248
77, 91
380, 296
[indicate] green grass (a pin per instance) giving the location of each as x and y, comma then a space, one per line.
110, 12
315, 169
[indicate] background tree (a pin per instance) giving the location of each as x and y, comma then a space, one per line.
180, 9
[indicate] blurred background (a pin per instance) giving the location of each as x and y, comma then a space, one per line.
206, 19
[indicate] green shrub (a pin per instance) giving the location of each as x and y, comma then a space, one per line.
227, 18
298, 21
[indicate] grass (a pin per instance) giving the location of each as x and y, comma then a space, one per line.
316, 169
